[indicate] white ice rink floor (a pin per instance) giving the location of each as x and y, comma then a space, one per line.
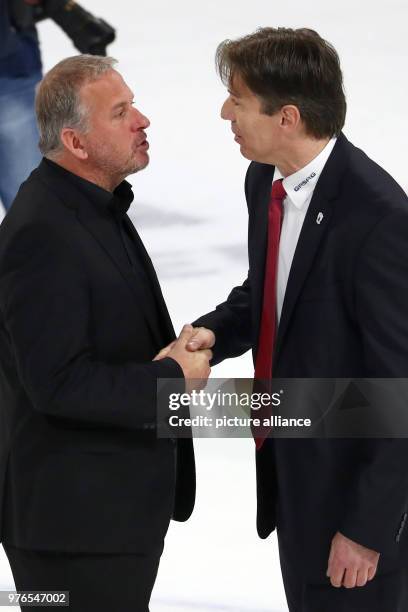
190, 210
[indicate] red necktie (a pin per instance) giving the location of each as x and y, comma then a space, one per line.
264, 358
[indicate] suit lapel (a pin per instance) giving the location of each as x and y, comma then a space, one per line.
100, 226
305, 253
104, 232
151, 272
314, 228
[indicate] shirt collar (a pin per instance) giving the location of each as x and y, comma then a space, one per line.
117, 202
300, 185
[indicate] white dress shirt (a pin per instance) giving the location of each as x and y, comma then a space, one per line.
299, 188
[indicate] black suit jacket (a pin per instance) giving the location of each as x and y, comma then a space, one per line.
344, 315
81, 468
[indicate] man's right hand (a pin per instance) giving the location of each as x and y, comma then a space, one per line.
202, 338
195, 364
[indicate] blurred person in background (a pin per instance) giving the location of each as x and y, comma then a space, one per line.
21, 71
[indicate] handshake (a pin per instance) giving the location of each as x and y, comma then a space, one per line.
192, 351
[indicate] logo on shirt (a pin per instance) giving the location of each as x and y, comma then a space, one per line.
305, 181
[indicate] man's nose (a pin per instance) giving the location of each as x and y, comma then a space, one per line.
227, 112
140, 121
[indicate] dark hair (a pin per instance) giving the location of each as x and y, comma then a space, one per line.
284, 66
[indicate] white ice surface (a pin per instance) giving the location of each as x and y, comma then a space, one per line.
190, 210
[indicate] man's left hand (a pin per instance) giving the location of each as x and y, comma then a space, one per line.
165, 351
350, 564
202, 338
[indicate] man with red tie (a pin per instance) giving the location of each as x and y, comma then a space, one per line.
326, 296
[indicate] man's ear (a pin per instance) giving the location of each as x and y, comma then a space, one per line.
290, 117
73, 142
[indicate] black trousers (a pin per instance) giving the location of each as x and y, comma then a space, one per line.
387, 592
96, 582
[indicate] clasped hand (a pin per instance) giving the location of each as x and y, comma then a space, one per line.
192, 351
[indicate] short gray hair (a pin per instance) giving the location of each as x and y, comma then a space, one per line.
58, 102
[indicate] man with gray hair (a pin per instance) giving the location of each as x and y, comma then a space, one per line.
87, 489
